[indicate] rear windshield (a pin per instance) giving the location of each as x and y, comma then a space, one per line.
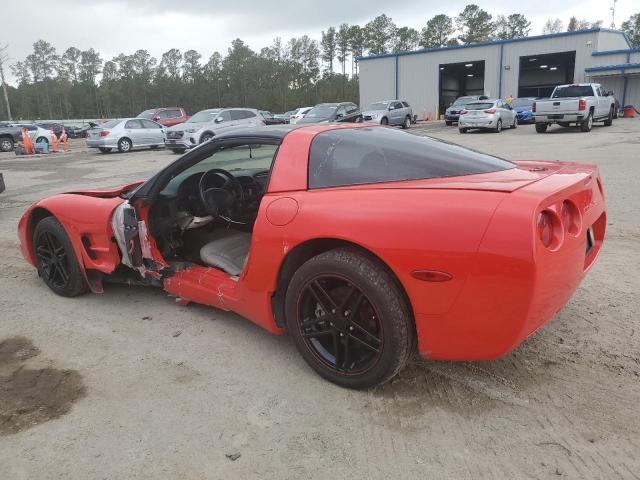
478, 106
322, 111
109, 124
378, 106
376, 155
464, 100
573, 91
146, 114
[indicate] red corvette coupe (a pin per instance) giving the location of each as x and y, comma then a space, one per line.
363, 242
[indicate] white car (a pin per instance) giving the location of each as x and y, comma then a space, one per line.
37, 133
487, 115
299, 115
126, 134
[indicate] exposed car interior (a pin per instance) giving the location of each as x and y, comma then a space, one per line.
205, 214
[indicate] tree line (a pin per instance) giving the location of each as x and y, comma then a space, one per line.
287, 74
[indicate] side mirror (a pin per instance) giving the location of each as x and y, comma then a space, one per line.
391, 107
219, 120
610, 93
156, 118
339, 115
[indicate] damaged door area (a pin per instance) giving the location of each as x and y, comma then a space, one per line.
132, 238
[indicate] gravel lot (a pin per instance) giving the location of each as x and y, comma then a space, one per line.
129, 384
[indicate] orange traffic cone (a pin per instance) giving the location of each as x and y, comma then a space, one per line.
27, 143
54, 141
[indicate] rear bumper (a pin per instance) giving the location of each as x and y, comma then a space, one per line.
515, 285
559, 118
102, 142
483, 122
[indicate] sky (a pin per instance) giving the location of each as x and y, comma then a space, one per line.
118, 26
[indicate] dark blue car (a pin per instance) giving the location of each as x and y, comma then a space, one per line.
522, 107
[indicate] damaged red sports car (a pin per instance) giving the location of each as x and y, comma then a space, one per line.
364, 243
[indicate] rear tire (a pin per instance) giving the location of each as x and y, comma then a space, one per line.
609, 121
104, 149
6, 145
448, 123
462, 130
42, 140
587, 125
56, 260
349, 320
124, 145
178, 150
541, 127
407, 123
498, 128
515, 122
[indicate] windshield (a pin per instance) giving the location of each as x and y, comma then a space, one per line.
378, 106
522, 102
322, 111
478, 106
463, 101
204, 116
148, 114
573, 91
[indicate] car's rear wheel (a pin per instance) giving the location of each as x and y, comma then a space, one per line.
541, 127
178, 150
515, 122
462, 130
6, 145
587, 125
407, 123
384, 121
349, 319
498, 128
104, 149
56, 260
124, 145
42, 140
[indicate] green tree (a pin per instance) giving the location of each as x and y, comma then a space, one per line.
21, 72
378, 35
406, 39
475, 25
356, 45
69, 63
342, 45
553, 26
43, 60
191, 68
171, 63
437, 32
513, 26
632, 28
573, 24
328, 45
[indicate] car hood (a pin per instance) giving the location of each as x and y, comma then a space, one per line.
107, 192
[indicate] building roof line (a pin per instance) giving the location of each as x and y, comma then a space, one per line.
615, 52
497, 42
622, 66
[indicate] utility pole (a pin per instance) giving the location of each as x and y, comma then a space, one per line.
3, 59
613, 14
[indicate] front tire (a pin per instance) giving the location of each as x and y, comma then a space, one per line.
178, 150
124, 145
349, 320
448, 123
587, 125
206, 137
515, 122
407, 123
56, 260
384, 121
462, 130
541, 127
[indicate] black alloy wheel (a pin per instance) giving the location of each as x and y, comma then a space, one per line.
56, 260
349, 319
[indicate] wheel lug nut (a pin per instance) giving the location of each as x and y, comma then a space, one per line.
331, 323
342, 334
351, 328
333, 311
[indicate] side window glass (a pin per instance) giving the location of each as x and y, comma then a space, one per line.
132, 124
398, 105
406, 105
236, 115
174, 114
341, 111
150, 124
224, 116
352, 109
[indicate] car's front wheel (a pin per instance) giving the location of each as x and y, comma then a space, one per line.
178, 150
407, 123
384, 121
515, 122
56, 260
349, 319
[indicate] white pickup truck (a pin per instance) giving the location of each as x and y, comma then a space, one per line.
578, 104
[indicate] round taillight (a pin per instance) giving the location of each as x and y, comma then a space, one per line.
549, 229
571, 217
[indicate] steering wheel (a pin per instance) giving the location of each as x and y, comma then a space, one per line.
223, 201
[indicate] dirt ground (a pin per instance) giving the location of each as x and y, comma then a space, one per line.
129, 384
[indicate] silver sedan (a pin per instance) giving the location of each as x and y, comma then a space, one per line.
487, 115
126, 134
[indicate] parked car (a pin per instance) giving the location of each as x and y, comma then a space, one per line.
9, 136
286, 116
206, 124
577, 104
270, 119
37, 133
299, 114
389, 112
80, 131
333, 112
125, 135
452, 113
266, 222
487, 115
56, 127
522, 106
166, 116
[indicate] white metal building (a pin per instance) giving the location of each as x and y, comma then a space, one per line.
431, 79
